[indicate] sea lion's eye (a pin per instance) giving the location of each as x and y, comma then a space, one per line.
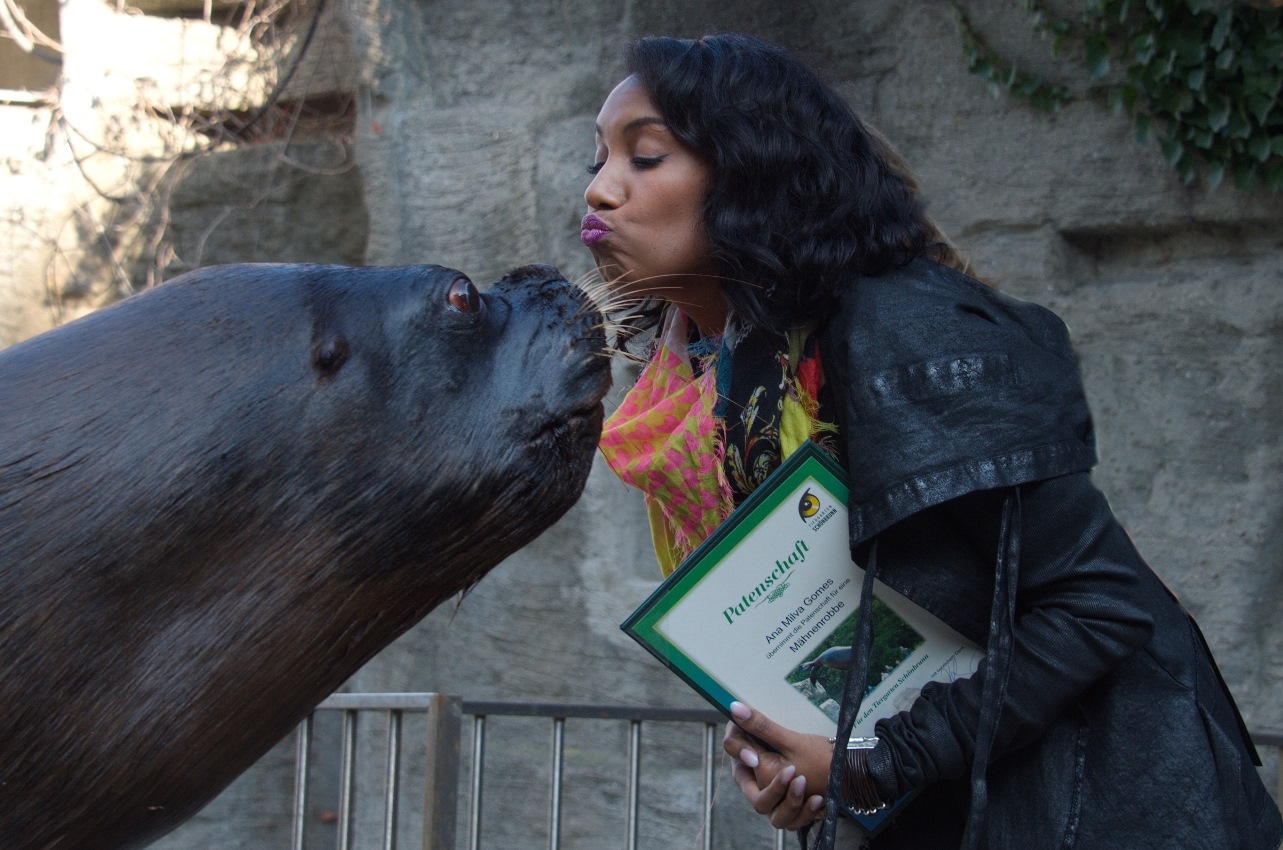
463, 296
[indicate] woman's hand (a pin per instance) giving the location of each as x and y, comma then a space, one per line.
787, 784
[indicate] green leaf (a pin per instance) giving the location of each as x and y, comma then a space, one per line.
1218, 112
1264, 85
1143, 47
1260, 107
1097, 57
1120, 99
1196, 77
1143, 123
1259, 147
1215, 174
1046, 99
1176, 100
1238, 126
1225, 59
1245, 177
1274, 177
1186, 169
1200, 138
1224, 20
1188, 44
1172, 149
1276, 144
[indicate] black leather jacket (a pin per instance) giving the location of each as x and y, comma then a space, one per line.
968, 445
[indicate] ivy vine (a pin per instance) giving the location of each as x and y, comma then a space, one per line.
1202, 77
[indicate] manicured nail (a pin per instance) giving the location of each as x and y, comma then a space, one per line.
798, 788
748, 757
786, 775
740, 711
815, 803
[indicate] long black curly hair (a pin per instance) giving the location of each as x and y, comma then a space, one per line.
804, 196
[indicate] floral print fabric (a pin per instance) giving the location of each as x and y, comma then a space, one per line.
707, 422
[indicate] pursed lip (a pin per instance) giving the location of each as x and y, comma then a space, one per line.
592, 230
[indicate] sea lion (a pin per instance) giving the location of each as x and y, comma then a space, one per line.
220, 497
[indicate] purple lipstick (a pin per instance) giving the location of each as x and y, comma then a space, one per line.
592, 230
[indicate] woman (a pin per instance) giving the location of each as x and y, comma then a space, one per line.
798, 291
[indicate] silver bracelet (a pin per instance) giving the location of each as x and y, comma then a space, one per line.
857, 743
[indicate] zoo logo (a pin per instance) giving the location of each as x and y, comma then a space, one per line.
808, 506
777, 592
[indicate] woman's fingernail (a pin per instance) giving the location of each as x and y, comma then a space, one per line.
787, 773
740, 711
748, 757
815, 803
799, 786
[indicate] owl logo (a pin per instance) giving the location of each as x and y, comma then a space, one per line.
808, 505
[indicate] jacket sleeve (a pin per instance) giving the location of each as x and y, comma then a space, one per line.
1081, 609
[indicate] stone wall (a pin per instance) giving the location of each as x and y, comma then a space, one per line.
473, 126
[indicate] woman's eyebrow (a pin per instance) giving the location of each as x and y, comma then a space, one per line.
637, 123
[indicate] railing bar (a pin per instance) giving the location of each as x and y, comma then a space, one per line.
347, 781
554, 804
393, 789
593, 712
474, 804
634, 776
779, 838
376, 702
1278, 767
710, 739
300, 783
441, 773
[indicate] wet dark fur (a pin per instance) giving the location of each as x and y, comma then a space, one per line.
220, 497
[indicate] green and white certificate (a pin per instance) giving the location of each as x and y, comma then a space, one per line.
764, 611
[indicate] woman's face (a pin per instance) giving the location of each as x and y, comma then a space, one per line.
645, 226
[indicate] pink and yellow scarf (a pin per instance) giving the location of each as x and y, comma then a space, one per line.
668, 436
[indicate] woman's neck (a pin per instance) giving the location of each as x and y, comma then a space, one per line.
705, 306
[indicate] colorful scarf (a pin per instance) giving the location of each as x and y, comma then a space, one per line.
707, 421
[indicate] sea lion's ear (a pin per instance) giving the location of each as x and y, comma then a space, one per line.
329, 353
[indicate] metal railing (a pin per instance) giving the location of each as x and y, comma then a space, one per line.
444, 748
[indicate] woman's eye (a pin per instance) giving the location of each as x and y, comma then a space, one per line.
463, 296
596, 166
646, 161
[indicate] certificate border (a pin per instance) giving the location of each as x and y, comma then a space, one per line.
808, 461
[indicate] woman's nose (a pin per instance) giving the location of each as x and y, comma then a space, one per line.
603, 192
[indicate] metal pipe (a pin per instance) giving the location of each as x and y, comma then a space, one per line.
554, 804
474, 804
392, 790
347, 780
441, 772
710, 742
300, 783
634, 776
